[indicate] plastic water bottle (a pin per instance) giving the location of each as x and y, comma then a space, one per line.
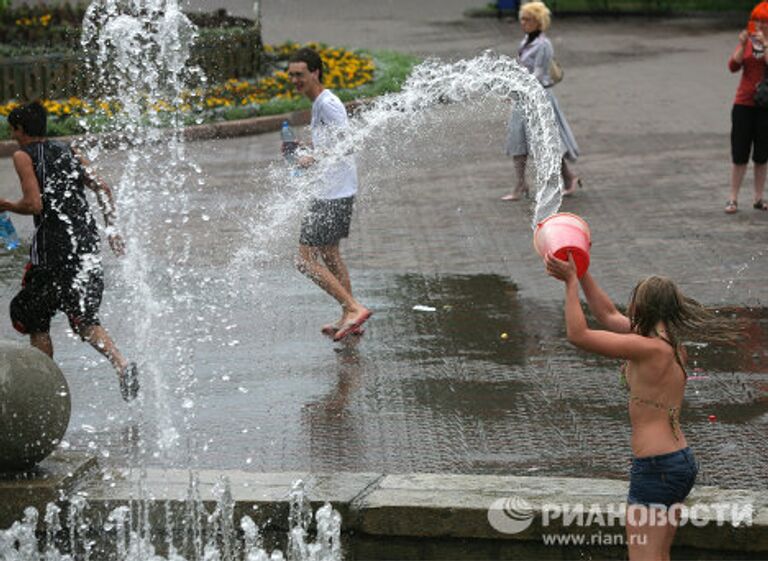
8, 233
290, 144
758, 49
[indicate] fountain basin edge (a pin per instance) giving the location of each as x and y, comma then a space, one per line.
395, 508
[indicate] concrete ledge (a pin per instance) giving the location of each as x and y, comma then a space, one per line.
262, 496
47, 482
456, 506
208, 131
415, 513
430, 507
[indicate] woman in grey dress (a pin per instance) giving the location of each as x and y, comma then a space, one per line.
535, 54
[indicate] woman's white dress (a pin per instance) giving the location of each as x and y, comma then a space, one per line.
536, 56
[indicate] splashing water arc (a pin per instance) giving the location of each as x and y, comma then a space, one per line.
489, 75
432, 84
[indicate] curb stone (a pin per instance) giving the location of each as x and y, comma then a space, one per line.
207, 131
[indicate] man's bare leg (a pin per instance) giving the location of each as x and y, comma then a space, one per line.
100, 340
332, 259
42, 341
127, 372
308, 263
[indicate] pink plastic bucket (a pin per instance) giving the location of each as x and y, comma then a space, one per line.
562, 233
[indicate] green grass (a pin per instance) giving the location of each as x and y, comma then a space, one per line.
392, 69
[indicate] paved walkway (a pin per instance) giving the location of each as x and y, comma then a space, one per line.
649, 104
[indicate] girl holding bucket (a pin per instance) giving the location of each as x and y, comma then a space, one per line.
649, 338
535, 53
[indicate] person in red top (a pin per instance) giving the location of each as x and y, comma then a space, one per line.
749, 124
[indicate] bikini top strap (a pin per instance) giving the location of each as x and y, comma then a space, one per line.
676, 351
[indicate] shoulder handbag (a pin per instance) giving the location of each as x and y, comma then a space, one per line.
556, 71
761, 92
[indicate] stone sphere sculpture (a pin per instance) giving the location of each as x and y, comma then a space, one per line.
35, 406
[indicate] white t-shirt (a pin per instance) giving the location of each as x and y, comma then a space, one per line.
329, 113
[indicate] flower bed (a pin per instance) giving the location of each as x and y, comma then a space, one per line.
349, 73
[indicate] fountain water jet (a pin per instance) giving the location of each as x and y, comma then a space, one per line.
137, 52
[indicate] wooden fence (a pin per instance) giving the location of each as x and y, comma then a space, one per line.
229, 56
42, 76
57, 76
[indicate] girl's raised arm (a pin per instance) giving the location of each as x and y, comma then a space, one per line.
615, 345
602, 307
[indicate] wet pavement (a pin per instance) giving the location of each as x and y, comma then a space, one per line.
442, 391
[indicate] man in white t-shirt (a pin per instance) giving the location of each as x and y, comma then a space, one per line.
329, 215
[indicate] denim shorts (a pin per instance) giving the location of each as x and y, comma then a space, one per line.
662, 480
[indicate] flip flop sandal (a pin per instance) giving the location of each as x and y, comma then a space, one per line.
330, 330
351, 327
760, 205
731, 207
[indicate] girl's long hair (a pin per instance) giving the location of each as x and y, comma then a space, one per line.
658, 299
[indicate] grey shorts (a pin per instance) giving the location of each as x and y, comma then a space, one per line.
326, 222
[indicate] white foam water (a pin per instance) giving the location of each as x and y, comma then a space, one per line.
207, 536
